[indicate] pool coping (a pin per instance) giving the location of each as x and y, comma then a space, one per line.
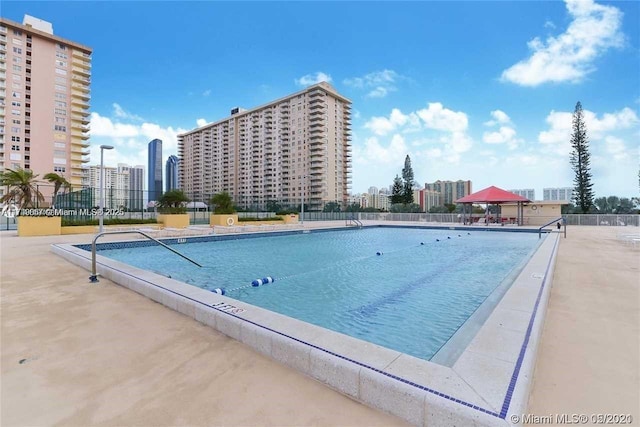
489, 382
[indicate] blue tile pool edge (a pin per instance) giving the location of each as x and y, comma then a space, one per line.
69, 249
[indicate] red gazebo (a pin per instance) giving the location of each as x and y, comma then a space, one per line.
496, 196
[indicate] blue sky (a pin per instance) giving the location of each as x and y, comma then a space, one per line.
470, 90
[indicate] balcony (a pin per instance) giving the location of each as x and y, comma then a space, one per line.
80, 102
81, 71
80, 54
80, 78
81, 63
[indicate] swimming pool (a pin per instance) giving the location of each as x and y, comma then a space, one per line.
412, 297
487, 380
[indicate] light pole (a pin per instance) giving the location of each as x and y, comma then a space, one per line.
101, 202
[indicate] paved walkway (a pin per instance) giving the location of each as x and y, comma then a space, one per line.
77, 354
589, 357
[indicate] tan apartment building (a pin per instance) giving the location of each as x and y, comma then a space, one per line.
292, 148
44, 100
450, 191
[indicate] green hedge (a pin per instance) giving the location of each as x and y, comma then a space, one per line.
112, 221
249, 219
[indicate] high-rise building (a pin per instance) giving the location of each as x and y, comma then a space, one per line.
294, 148
172, 173
136, 188
529, 193
450, 191
155, 170
557, 193
44, 100
116, 184
427, 199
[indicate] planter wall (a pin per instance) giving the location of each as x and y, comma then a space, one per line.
174, 220
39, 226
223, 219
290, 219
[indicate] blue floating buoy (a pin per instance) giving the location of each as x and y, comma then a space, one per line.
448, 237
468, 234
256, 283
219, 291
437, 240
267, 279
422, 243
459, 235
378, 253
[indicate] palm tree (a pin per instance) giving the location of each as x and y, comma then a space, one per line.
223, 203
23, 187
57, 181
173, 201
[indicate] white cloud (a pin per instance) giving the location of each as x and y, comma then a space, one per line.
499, 117
503, 135
313, 78
120, 113
615, 147
570, 56
206, 93
378, 83
561, 122
201, 122
375, 152
439, 118
383, 125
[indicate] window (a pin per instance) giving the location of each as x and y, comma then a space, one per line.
61, 80
16, 78
61, 120
59, 169
17, 50
15, 112
60, 128
59, 144
15, 104
61, 46
15, 147
61, 55
16, 122
61, 96
60, 112
17, 41
16, 95
59, 71
17, 59
61, 104
15, 139
15, 130
61, 63
17, 85
17, 32
17, 68
61, 87
59, 153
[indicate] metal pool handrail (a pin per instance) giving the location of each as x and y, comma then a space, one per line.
94, 275
564, 223
354, 221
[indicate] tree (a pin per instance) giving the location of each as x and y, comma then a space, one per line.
173, 201
223, 203
58, 182
407, 177
331, 207
23, 187
397, 193
580, 162
353, 207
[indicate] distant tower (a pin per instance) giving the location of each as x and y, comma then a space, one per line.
155, 169
136, 188
172, 173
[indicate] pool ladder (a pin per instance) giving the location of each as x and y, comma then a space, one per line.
353, 221
561, 220
94, 274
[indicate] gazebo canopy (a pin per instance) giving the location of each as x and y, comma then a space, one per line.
492, 195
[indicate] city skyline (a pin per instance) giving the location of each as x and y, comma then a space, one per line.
494, 108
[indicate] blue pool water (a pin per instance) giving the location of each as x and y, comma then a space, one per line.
412, 298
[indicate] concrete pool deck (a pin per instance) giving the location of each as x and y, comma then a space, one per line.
111, 356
